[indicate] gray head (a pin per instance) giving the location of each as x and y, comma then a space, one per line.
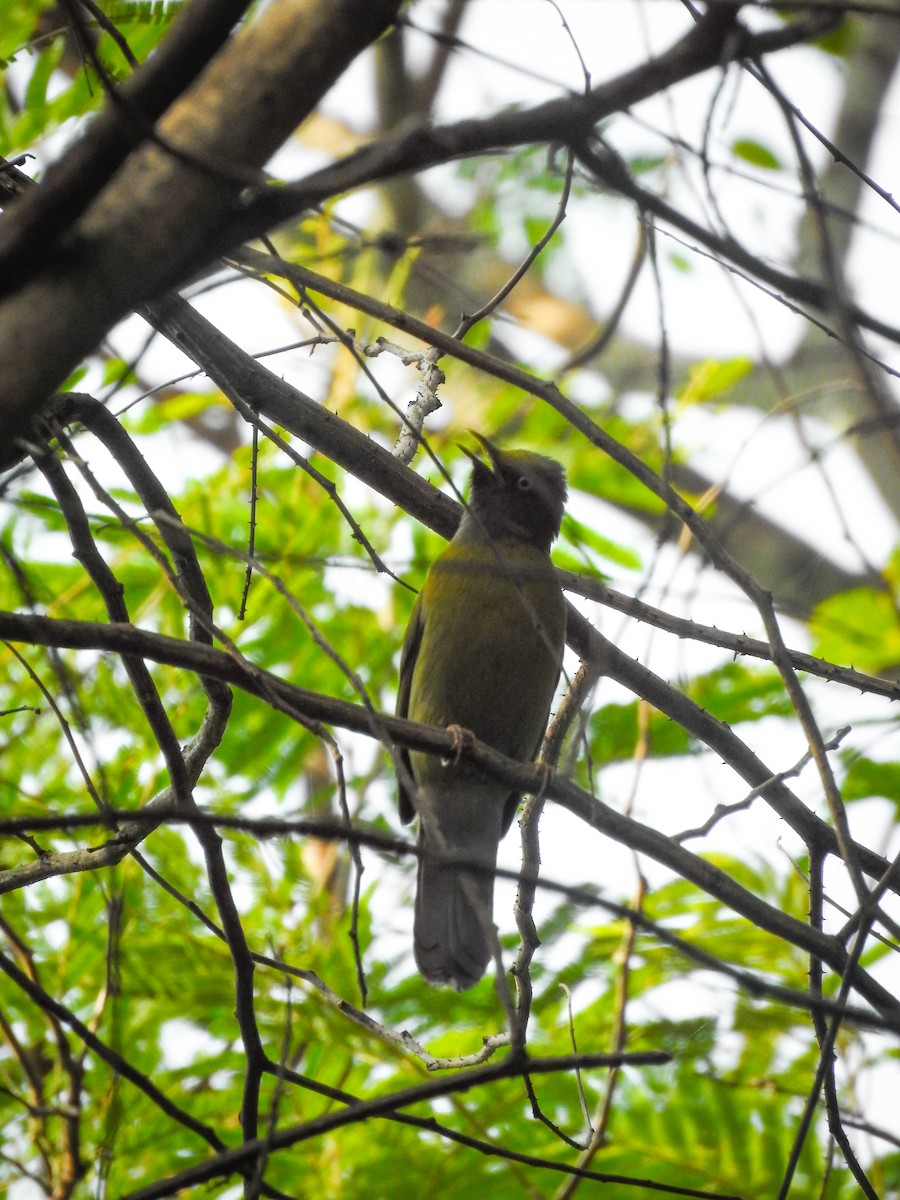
520, 495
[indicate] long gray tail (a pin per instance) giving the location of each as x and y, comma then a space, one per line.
453, 929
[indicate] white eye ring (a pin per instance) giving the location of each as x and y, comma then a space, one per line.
523, 483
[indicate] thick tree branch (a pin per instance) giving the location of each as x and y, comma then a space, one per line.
570, 120
29, 235
152, 223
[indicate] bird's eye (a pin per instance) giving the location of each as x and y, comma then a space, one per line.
523, 483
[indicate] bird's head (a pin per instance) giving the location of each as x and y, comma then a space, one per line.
516, 494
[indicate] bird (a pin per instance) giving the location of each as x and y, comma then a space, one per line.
482, 653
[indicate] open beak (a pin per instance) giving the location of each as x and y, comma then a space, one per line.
489, 448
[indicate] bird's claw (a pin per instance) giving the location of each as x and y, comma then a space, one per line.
463, 739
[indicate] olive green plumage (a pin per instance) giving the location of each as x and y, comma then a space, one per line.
483, 651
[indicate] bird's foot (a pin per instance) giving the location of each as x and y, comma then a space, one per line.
463, 739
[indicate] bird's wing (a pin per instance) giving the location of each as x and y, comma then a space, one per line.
408, 655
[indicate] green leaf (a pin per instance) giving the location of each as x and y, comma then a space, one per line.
18, 26
117, 371
156, 416
642, 164
36, 90
755, 153
535, 228
733, 693
616, 731
867, 778
71, 383
586, 539
858, 628
841, 40
712, 378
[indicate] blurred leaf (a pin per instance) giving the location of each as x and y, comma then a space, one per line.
710, 379
867, 778
20, 19
45, 64
755, 153
859, 628
733, 693
642, 164
842, 40
117, 371
589, 542
72, 381
615, 734
156, 415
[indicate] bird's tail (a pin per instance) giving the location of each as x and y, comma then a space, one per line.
453, 932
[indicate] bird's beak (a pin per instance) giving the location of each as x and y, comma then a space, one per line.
489, 448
